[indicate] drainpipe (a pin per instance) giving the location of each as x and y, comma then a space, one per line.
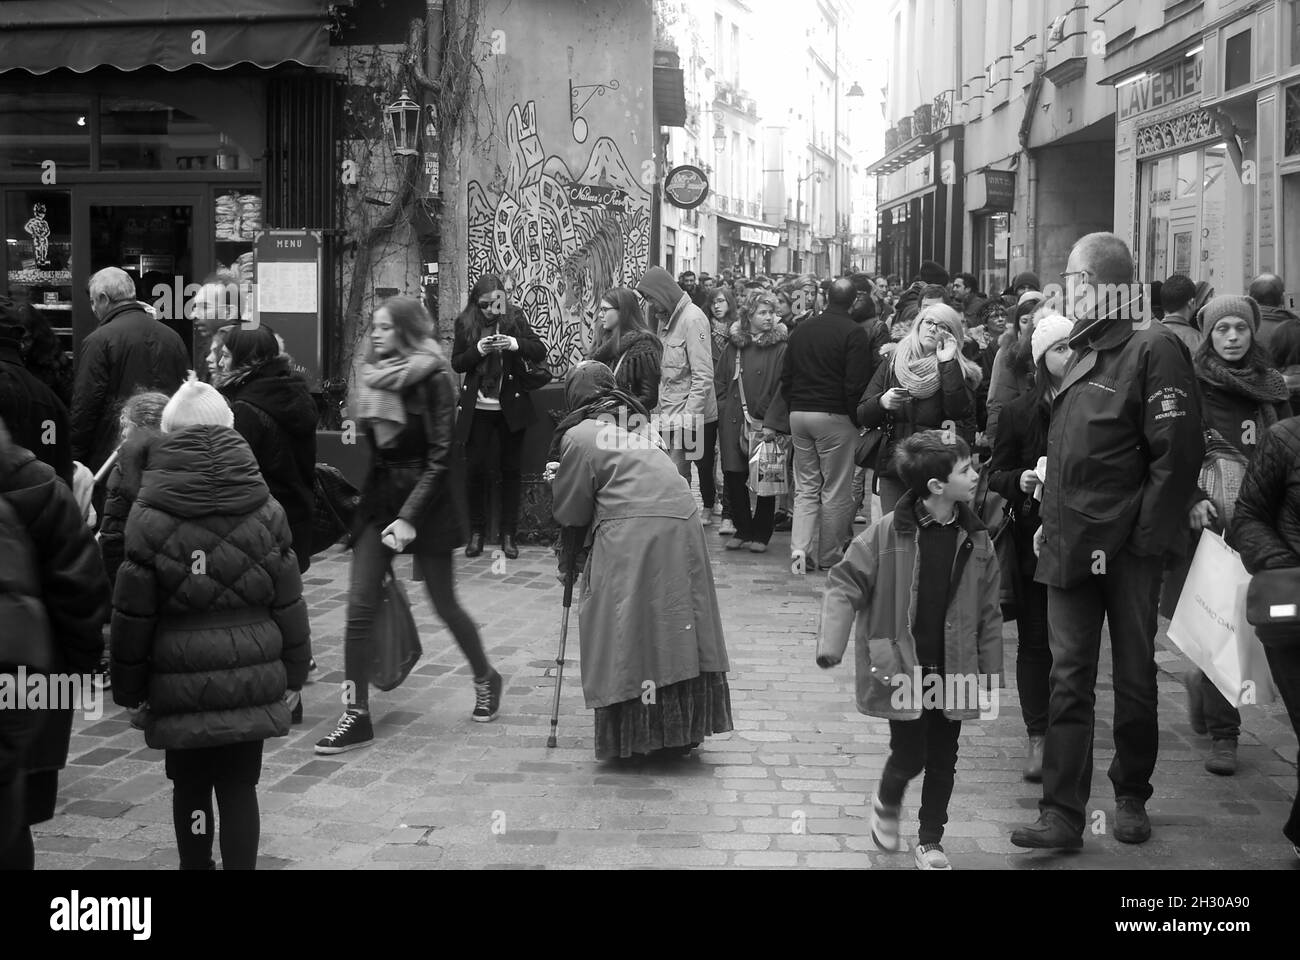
1031, 169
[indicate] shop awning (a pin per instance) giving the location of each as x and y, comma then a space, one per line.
917, 147
43, 35
754, 231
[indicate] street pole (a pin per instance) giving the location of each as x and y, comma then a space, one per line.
835, 154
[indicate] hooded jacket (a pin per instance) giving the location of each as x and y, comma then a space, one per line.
275, 414
209, 626
128, 351
636, 365
871, 594
686, 370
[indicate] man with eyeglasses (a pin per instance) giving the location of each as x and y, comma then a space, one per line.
1124, 452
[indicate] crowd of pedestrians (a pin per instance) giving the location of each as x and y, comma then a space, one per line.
1036, 457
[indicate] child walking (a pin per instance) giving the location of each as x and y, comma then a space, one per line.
920, 591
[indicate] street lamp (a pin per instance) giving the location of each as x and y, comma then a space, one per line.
403, 121
719, 139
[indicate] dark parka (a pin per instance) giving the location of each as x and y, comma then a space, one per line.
637, 365
123, 485
954, 401
211, 640
127, 352
275, 413
1020, 442
1124, 450
27, 405
67, 577
761, 365
1266, 525
516, 403
409, 479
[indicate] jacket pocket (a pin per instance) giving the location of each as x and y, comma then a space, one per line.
884, 657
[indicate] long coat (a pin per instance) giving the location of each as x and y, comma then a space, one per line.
760, 365
871, 593
516, 402
649, 611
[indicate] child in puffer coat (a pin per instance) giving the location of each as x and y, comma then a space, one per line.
209, 628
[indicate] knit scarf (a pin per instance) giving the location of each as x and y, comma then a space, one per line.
380, 386
1264, 385
916, 373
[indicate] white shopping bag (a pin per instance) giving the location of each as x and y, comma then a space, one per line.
1210, 627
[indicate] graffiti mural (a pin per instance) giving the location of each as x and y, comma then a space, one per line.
556, 240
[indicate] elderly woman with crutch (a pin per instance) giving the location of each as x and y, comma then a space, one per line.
654, 661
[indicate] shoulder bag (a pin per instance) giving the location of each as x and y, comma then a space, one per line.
753, 428
397, 641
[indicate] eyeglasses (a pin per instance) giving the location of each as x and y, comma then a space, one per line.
1075, 273
930, 324
484, 304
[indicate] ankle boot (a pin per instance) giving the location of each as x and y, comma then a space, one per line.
509, 547
475, 545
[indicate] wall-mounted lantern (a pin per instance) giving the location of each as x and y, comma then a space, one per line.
403, 121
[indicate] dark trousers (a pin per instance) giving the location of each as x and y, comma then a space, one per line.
928, 744
1284, 663
758, 526
241, 823
1126, 598
1222, 721
486, 425
1033, 657
370, 561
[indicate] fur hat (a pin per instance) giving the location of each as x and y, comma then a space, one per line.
1048, 331
1220, 307
196, 404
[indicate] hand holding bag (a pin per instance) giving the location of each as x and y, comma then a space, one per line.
396, 640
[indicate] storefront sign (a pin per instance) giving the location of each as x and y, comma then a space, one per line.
1159, 89
686, 187
288, 271
993, 191
589, 195
1171, 133
759, 235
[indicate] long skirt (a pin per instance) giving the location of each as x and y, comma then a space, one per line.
681, 715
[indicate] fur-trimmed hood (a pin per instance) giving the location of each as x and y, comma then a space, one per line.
741, 337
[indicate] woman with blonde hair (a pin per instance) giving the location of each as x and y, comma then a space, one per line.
927, 384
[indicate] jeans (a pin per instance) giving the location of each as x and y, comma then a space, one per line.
370, 561
241, 823
823, 476
755, 528
862, 484
1126, 597
928, 744
1033, 656
1284, 663
486, 425
683, 454
1222, 721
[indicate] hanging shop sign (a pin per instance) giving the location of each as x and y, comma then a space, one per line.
686, 187
993, 191
288, 292
1176, 132
758, 235
1175, 82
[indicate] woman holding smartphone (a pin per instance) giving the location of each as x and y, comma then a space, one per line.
493, 340
926, 385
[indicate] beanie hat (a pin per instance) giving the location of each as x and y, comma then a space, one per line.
196, 404
931, 272
1026, 279
1220, 307
1048, 331
1032, 296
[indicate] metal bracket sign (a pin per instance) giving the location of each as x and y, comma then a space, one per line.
289, 296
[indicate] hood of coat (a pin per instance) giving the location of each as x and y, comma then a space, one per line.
659, 287
905, 517
741, 336
12, 456
1276, 314
201, 471
280, 394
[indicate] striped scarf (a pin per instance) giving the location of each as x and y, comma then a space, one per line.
380, 386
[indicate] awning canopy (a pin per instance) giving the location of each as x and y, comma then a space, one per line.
43, 35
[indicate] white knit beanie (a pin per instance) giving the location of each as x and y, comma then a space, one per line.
1047, 331
196, 404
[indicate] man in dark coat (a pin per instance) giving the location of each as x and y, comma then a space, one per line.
1123, 455
966, 298
51, 622
1267, 290
37, 418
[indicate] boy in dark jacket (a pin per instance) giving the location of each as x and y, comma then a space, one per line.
920, 591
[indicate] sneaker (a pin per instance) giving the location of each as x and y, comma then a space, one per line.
1195, 710
717, 508
735, 543
706, 518
782, 523
353, 731
1223, 758
884, 826
1033, 771
1050, 832
727, 528
1132, 825
930, 856
757, 546
487, 698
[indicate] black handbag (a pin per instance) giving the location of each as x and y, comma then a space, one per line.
869, 445
336, 503
1273, 606
533, 376
396, 639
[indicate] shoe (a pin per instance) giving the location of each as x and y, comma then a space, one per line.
756, 546
1033, 771
726, 528
1195, 710
1132, 825
930, 856
717, 509
706, 518
105, 673
782, 523
294, 698
509, 547
884, 826
475, 545
487, 698
1223, 758
1050, 832
735, 543
353, 731
311, 671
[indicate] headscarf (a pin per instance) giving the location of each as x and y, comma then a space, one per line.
589, 391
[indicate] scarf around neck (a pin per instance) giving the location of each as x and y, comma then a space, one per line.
1264, 385
380, 386
916, 373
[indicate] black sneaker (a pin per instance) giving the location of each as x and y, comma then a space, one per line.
487, 698
353, 731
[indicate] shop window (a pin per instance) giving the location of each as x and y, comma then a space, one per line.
1236, 61
37, 255
146, 135
992, 249
35, 128
1291, 43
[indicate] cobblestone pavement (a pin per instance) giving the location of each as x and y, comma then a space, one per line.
788, 788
